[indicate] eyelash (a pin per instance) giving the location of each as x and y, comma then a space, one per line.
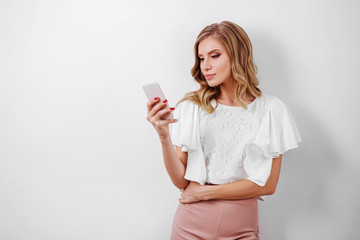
213, 56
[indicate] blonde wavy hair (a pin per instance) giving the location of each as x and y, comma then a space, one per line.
243, 69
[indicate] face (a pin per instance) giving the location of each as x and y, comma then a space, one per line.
215, 62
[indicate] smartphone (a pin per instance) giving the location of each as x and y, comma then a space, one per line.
153, 90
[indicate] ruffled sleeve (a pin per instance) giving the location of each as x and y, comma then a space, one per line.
277, 134
186, 134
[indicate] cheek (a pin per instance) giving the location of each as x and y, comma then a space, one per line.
228, 66
224, 66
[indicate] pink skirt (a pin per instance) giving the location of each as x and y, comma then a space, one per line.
217, 220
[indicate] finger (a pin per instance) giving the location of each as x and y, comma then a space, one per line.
153, 108
158, 106
164, 122
168, 121
151, 103
161, 113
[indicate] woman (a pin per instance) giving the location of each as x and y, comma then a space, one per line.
229, 138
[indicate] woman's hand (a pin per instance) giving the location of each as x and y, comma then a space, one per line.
192, 193
156, 110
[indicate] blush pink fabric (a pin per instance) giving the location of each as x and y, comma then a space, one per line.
217, 220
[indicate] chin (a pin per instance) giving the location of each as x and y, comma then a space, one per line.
212, 84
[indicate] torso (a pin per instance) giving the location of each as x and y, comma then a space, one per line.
224, 135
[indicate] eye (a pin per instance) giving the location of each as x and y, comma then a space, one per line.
201, 59
215, 56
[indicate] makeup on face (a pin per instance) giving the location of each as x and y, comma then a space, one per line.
215, 62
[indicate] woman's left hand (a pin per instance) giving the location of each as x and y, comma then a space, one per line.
192, 193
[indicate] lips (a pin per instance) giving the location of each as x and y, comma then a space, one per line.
208, 76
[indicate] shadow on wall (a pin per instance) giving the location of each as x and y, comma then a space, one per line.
316, 196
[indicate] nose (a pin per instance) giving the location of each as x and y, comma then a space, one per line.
206, 65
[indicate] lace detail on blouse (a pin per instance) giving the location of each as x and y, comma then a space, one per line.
224, 135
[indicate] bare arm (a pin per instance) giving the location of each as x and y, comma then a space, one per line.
242, 189
245, 188
175, 162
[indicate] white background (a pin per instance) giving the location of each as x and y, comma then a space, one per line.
78, 160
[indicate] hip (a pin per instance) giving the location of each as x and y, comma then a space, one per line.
218, 218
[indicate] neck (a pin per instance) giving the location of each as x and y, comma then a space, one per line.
227, 94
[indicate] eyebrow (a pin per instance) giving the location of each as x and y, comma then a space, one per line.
214, 50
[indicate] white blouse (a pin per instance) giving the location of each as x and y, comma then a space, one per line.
233, 143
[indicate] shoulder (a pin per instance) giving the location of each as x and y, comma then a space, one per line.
278, 106
262, 102
187, 105
272, 101
186, 109
268, 97
279, 111
272, 105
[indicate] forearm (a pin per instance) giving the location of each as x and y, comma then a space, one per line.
173, 165
242, 189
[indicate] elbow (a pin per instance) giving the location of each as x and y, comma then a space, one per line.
182, 184
270, 187
270, 190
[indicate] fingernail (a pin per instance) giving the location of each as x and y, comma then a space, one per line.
165, 101
156, 98
172, 109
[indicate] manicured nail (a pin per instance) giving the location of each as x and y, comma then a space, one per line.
172, 109
165, 101
156, 98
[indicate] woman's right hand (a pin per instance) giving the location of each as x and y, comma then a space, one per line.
156, 109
